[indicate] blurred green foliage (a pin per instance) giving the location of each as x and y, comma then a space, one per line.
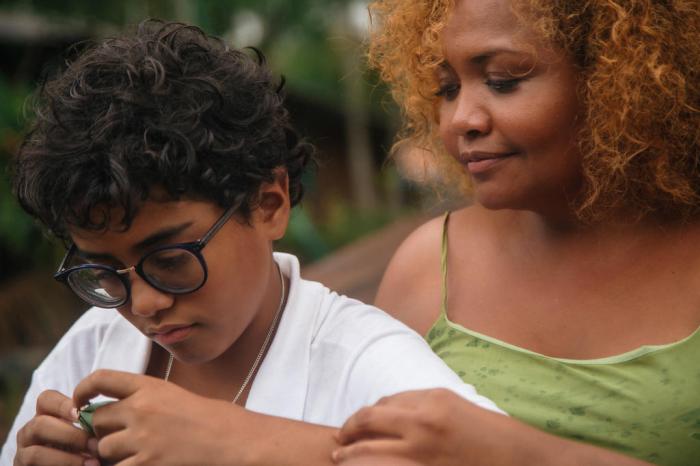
344, 224
21, 240
305, 40
296, 32
301, 41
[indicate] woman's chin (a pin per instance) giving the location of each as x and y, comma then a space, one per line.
497, 199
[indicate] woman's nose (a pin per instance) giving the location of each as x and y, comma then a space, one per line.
471, 116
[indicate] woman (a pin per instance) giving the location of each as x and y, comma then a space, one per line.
568, 292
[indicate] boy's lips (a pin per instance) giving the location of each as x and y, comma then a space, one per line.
169, 334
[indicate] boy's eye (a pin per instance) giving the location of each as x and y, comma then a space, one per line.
448, 90
84, 261
102, 275
169, 260
503, 86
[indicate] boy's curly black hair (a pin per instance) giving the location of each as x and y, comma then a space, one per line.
168, 107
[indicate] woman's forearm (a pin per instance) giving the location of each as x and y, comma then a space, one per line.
532, 447
437, 427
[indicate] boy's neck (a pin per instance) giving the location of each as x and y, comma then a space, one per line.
222, 378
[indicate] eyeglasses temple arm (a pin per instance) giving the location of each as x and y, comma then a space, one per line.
66, 257
219, 223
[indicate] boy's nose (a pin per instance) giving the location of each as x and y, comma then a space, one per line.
146, 301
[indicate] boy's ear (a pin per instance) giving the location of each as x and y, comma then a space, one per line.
273, 207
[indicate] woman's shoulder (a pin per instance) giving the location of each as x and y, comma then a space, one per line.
411, 287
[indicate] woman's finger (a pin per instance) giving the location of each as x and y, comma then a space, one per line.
407, 399
370, 448
136, 460
380, 460
373, 422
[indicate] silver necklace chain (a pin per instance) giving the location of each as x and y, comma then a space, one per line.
258, 358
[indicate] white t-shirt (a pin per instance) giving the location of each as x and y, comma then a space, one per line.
331, 356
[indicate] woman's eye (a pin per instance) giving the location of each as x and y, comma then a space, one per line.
449, 91
503, 86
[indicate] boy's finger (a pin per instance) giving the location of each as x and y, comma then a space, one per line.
53, 432
117, 447
108, 419
39, 455
53, 403
106, 382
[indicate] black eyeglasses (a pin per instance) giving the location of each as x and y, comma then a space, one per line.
175, 269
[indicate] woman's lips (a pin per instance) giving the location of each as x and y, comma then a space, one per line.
173, 335
480, 162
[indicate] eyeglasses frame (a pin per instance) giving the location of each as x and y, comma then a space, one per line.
194, 247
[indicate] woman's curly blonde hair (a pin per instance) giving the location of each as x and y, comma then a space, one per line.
640, 66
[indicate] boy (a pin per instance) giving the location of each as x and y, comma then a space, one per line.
168, 164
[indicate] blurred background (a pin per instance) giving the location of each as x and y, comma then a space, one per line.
357, 207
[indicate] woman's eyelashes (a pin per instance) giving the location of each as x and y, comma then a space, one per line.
450, 90
503, 86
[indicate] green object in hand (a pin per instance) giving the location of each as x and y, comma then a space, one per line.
85, 416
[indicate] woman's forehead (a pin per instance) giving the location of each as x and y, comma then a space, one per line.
483, 14
484, 28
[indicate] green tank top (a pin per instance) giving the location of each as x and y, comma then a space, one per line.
644, 403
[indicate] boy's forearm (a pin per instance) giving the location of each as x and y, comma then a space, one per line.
282, 442
268, 440
262, 440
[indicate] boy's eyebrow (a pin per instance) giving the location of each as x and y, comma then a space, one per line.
161, 236
153, 239
94, 255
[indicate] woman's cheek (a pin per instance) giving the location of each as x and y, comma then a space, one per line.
449, 140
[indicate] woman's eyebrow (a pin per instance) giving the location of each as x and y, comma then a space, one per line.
486, 55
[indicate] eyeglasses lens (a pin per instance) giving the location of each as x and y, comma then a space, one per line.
174, 270
98, 286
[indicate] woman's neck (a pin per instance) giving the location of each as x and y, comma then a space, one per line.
570, 238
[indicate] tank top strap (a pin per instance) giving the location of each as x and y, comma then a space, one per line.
443, 265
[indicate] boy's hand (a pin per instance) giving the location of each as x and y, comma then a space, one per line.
157, 422
50, 437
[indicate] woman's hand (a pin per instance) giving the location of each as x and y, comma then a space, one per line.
438, 428
158, 423
50, 437
431, 427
